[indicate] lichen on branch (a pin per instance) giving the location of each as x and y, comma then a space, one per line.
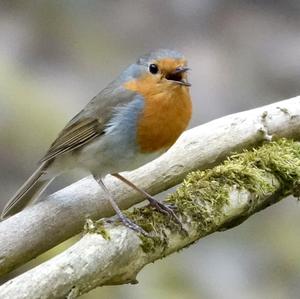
200, 200
207, 201
49, 222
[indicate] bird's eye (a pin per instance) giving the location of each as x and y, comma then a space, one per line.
153, 68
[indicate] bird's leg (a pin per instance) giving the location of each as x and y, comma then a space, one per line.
127, 222
161, 207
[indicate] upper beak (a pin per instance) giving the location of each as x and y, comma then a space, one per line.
180, 70
176, 76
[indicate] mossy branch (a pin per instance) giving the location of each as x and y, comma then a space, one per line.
62, 215
207, 201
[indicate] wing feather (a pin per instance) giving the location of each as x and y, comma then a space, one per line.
74, 136
90, 122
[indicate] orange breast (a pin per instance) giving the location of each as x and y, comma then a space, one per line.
166, 113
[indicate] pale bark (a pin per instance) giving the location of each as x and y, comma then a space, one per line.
62, 215
256, 180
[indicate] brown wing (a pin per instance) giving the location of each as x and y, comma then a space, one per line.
73, 136
90, 122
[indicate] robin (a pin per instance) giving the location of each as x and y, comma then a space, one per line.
132, 121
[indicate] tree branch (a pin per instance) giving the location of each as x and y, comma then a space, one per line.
49, 222
207, 201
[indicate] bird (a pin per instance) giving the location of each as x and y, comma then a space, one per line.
132, 121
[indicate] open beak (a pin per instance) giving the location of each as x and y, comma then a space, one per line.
177, 76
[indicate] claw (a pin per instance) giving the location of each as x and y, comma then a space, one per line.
163, 208
130, 224
167, 210
122, 217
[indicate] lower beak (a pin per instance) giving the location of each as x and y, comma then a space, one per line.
183, 82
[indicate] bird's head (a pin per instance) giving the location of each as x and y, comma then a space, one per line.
159, 71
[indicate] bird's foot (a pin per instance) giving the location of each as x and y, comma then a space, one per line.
167, 210
130, 224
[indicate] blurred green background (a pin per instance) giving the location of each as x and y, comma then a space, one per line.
56, 55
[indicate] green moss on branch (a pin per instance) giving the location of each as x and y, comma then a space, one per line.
201, 198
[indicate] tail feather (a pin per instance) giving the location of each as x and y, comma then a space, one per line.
28, 192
